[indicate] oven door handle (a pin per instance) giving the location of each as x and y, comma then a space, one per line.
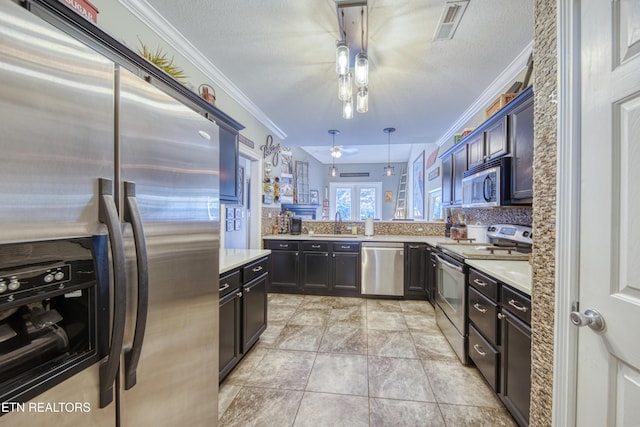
450, 265
108, 214
132, 215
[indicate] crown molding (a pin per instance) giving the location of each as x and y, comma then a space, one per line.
150, 17
506, 77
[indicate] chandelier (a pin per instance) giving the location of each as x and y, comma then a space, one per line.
353, 31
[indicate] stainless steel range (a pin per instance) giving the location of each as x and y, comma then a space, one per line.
507, 242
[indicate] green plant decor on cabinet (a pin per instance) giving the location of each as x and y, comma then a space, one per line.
160, 60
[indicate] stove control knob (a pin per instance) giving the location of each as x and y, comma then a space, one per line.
59, 275
14, 283
525, 234
48, 278
3, 286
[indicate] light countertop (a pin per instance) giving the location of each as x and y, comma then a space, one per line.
431, 240
233, 258
516, 274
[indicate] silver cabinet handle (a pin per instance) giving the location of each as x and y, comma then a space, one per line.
326, 255
223, 287
501, 316
479, 308
315, 246
480, 352
248, 290
479, 282
517, 305
282, 245
239, 294
345, 247
258, 268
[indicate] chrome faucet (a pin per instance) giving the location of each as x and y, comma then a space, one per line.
337, 223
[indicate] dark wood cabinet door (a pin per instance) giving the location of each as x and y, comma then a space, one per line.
516, 367
475, 151
345, 273
229, 153
447, 180
522, 147
315, 271
459, 168
254, 311
229, 347
495, 138
415, 271
283, 266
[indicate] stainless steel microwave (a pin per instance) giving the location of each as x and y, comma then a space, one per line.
483, 188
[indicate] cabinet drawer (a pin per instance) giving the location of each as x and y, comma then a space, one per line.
282, 245
253, 270
485, 284
345, 247
229, 282
484, 314
516, 303
315, 246
485, 357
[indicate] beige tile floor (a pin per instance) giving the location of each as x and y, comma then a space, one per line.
330, 361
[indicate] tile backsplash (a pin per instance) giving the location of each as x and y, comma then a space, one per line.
521, 215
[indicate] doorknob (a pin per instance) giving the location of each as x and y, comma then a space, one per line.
591, 318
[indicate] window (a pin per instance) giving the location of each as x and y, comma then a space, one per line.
356, 201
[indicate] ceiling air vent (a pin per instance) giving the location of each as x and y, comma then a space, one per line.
450, 18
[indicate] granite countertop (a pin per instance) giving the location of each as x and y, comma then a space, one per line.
233, 258
516, 274
431, 240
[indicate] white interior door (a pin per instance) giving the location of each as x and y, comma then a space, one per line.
608, 389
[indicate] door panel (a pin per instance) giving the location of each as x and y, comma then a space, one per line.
174, 166
57, 129
609, 362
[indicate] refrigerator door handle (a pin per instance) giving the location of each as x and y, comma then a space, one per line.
108, 214
132, 215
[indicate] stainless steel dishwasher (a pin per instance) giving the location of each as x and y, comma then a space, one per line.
382, 268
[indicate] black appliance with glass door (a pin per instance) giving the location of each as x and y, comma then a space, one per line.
53, 312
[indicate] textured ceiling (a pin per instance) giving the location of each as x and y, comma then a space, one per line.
280, 54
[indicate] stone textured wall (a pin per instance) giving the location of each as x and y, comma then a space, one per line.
544, 214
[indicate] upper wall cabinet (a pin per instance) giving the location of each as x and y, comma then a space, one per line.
454, 165
509, 132
229, 153
521, 140
488, 145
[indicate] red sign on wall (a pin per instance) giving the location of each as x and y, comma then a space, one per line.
84, 8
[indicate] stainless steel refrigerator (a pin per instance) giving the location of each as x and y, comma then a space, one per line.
84, 143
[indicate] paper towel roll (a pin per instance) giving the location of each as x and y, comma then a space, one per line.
368, 227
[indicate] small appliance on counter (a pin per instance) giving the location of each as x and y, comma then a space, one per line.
295, 226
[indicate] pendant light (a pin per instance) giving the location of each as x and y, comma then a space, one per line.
388, 170
347, 109
342, 57
362, 61
344, 86
332, 170
362, 100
